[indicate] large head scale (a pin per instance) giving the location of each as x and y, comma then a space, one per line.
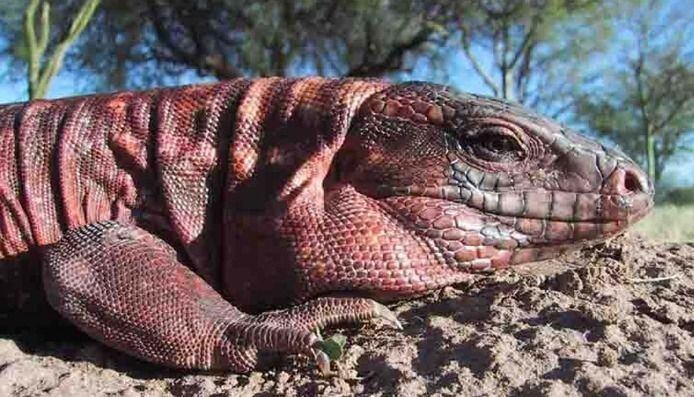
485, 182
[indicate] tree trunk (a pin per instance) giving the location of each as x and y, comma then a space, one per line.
40, 74
650, 155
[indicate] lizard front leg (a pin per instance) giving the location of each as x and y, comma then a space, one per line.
126, 288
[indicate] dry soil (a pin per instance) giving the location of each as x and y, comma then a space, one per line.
612, 320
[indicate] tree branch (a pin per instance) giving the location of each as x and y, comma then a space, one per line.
216, 63
488, 81
525, 43
40, 78
393, 60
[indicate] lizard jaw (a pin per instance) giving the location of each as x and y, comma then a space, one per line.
470, 239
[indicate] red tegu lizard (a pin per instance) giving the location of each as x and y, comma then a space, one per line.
200, 226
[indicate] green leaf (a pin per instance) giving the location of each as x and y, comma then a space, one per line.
333, 346
339, 339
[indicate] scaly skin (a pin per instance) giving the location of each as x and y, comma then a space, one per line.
279, 193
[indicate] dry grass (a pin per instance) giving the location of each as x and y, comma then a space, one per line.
670, 223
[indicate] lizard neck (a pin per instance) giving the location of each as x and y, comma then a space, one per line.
286, 134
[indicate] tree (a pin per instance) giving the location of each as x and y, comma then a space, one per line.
135, 43
528, 51
41, 67
645, 101
534, 44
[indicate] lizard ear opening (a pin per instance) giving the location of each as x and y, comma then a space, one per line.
341, 167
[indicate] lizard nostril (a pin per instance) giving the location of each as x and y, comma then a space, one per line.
632, 182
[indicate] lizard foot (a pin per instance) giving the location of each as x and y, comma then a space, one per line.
296, 329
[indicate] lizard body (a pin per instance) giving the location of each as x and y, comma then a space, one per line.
280, 194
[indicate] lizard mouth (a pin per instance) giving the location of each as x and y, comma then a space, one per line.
540, 205
475, 236
623, 196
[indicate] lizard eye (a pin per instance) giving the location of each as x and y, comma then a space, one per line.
495, 143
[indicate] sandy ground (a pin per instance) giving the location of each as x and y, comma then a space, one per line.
592, 323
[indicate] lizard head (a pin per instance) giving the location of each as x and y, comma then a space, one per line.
485, 182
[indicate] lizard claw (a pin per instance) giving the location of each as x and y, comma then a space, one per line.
299, 326
387, 315
322, 358
322, 361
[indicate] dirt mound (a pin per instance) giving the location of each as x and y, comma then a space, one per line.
614, 320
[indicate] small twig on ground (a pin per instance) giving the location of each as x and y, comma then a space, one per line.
653, 280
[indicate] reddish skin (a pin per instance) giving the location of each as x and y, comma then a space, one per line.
278, 191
